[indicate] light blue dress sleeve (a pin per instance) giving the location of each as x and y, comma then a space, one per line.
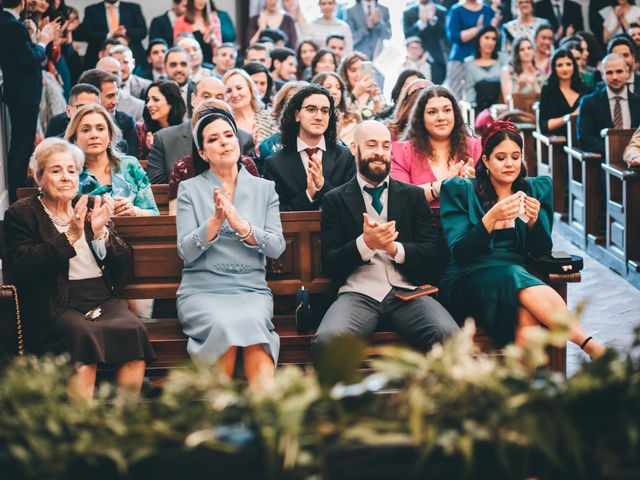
270, 240
191, 236
99, 247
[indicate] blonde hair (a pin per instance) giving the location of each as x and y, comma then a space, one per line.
46, 148
256, 104
115, 135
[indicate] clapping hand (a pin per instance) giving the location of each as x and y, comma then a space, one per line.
531, 210
76, 226
100, 215
315, 178
225, 205
480, 22
380, 236
468, 169
506, 209
123, 207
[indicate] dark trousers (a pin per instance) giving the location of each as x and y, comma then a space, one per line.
24, 118
421, 321
438, 73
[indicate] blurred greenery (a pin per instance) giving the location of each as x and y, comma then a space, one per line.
451, 413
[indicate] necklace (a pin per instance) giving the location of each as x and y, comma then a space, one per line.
54, 218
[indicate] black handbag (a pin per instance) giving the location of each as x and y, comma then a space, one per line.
558, 262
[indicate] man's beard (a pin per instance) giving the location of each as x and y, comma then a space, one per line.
377, 175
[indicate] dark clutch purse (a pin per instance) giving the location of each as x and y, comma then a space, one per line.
303, 311
558, 262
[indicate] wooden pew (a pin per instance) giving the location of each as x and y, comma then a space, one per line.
552, 162
156, 271
524, 102
586, 201
160, 193
622, 217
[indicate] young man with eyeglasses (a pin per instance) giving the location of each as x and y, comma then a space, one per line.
311, 162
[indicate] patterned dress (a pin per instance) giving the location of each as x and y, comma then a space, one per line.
129, 181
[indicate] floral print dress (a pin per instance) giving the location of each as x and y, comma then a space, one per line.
129, 180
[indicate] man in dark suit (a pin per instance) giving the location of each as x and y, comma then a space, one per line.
426, 21
156, 52
21, 63
162, 25
178, 68
311, 162
563, 15
624, 46
107, 83
610, 107
370, 26
379, 240
80, 95
104, 19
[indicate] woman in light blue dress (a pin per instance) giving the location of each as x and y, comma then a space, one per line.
228, 222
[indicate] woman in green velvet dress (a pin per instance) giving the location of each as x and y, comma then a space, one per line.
490, 244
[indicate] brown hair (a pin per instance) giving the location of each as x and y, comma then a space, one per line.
191, 12
349, 60
418, 135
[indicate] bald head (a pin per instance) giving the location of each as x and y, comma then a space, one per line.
111, 65
371, 148
208, 87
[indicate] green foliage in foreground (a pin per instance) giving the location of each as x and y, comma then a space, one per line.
455, 413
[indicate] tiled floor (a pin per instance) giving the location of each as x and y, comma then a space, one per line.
613, 305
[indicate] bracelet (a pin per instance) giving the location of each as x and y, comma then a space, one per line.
433, 192
246, 235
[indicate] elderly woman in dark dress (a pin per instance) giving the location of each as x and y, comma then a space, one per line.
68, 263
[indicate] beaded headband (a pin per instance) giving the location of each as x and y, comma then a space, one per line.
213, 113
495, 128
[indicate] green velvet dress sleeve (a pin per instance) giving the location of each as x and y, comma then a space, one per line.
539, 240
461, 217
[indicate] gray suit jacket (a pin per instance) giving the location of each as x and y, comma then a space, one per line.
173, 143
138, 86
127, 103
368, 41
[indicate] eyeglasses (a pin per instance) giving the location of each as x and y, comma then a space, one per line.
312, 109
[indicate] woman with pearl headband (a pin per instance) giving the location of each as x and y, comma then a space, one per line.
228, 223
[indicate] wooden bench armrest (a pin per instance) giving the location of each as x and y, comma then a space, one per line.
565, 277
621, 171
549, 140
526, 126
581, 155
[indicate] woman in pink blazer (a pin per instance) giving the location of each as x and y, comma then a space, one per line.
437, 145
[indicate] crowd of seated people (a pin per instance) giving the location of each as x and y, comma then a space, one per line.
290, 118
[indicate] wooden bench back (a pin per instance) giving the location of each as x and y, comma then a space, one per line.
157, 268
160, 193
615, 141
523, 101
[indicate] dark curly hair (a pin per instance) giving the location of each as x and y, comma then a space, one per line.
171, 92
289, 127
418, 135
552, 81
485, 189
318, 56
479, 35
